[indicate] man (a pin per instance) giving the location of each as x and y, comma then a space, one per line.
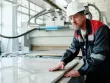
92, 37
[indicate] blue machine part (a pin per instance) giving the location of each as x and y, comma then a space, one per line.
52, 28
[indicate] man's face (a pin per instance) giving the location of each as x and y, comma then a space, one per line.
77, 20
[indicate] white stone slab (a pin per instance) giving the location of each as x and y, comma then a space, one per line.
31, 70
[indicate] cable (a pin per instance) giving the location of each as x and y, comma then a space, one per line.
18, 35
48, 28
41, 15
96, 9
36, 15
89, 14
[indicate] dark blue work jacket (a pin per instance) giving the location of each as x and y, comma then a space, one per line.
95, 49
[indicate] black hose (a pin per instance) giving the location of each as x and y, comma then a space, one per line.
12, 37
100, 18
89, 14
18, 35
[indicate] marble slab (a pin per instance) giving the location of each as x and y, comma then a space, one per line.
31, 70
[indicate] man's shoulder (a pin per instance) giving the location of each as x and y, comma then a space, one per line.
96, 22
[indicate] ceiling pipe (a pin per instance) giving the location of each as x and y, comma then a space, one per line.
53, 5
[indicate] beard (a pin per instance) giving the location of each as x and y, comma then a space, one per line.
76, 27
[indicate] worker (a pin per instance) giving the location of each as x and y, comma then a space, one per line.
93, 38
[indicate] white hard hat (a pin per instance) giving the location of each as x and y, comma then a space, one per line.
74, 7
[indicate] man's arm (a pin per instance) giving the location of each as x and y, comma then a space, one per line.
69, 55
71, 52
100, 50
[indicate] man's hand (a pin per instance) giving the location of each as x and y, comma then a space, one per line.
57, 67
72, 73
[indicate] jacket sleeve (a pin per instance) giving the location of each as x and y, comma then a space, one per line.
99, 52
71, 52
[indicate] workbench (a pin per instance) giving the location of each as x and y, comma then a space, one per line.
33, 70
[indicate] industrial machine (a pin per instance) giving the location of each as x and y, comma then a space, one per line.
56, 32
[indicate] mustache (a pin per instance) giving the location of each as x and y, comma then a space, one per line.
76, 28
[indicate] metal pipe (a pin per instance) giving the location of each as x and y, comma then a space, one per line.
53, 4
35, 16
100, 18
42, 15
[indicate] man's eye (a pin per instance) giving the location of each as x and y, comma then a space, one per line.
75, 16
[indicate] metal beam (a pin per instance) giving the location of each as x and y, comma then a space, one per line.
53, 4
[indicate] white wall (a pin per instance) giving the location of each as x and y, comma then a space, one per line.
108, 10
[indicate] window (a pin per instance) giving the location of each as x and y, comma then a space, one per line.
23, 12
0, 14
6, 25
19, 1
38, 9
32, 6
39, 21
32, 13
61, 3
23, 3
7, 13
22, 9
24, 18
32, 21
19, 19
